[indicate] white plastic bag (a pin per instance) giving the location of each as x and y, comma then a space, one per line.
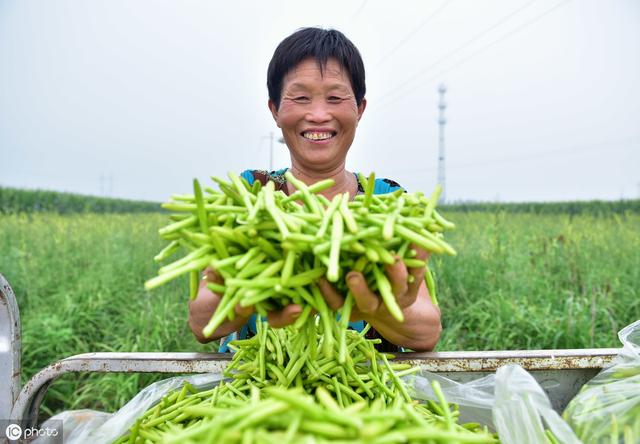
522, 410
510, 402
607, 409
74, 423
474, 399
89, 426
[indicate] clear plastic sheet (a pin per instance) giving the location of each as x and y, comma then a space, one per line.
88, 426
510, 402
522, 410
607, 409
475, 399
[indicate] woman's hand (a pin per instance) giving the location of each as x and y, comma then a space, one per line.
421, 327
202, 308
419, 331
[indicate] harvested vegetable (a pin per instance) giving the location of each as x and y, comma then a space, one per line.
315, 381
271, 248
279, 391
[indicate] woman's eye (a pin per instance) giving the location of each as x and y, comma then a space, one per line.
335, 99
301, 99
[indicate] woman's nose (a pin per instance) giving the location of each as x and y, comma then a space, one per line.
318, 112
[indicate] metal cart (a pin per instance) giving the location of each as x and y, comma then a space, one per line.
563, 370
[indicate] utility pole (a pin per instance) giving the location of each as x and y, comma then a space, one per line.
442, 121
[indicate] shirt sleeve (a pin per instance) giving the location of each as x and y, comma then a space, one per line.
384, 186
248, 176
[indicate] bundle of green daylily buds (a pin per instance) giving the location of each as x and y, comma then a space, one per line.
281, 390
271, 248
314, 381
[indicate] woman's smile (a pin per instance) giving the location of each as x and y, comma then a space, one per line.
318, 136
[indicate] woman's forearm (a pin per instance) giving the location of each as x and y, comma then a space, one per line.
421, 328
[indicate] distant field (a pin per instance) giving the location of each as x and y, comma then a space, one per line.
16, 200
520, 281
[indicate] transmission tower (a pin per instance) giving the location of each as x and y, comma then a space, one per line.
442, 121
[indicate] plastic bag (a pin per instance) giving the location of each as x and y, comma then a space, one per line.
522, 410
74, 423
475, 399
89, 426
510, 402
607, 409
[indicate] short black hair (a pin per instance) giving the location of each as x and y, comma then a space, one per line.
320, 44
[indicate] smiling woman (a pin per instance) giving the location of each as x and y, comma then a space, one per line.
316, 86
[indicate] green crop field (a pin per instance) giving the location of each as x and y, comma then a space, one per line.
520, 281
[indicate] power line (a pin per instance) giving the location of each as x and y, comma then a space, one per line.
412, 33
471, 56
459, 48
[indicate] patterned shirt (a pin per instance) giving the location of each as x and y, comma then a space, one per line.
382, 186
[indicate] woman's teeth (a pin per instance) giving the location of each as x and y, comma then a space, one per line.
317, 136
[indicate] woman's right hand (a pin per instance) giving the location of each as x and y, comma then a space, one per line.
202, 308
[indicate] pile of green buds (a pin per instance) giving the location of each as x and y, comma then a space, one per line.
280, 390
271, 248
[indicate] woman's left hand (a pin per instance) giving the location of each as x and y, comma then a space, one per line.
421, 327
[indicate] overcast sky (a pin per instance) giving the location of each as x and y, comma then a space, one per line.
135, 98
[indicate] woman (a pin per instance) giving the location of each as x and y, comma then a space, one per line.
316, 96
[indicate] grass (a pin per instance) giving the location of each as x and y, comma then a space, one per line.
520, 281
79, 284
539, 282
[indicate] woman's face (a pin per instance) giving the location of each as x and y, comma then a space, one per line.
318, 115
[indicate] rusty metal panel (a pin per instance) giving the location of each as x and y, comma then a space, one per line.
561, 373
10, 348
28, 401
490, 361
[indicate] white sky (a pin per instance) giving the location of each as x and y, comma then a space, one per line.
543, 96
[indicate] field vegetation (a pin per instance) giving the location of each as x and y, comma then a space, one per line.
520, 281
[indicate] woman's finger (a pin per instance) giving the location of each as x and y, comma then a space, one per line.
210, 275
421, 254
366, 300
284, 317
397, 274
417, 274
244, 312
333, 299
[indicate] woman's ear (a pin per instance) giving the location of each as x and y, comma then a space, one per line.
274, 111
361, 107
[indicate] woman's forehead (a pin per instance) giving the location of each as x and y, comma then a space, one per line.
308, 71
